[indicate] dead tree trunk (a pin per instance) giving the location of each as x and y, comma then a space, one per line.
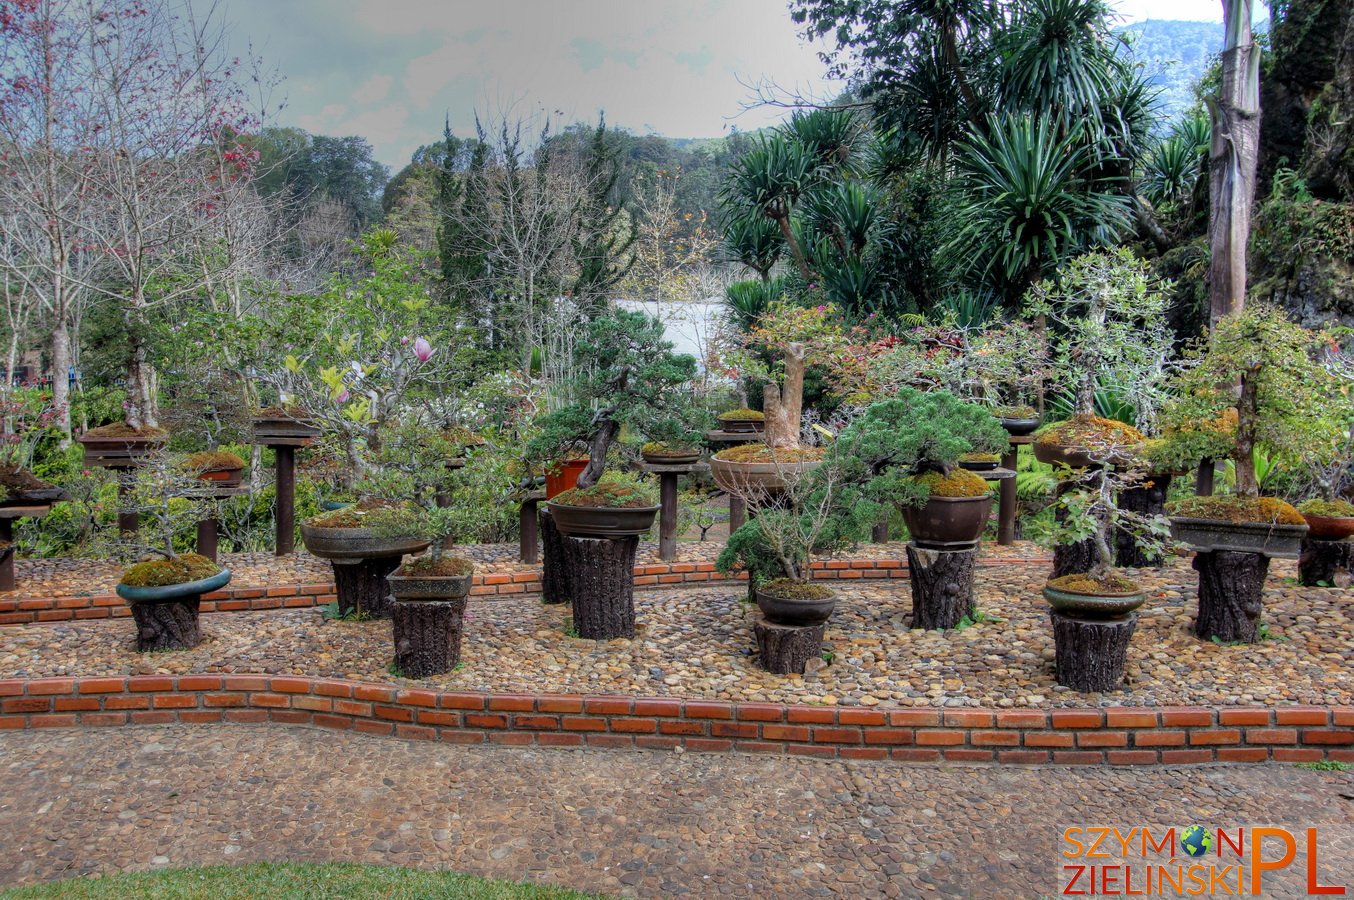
787, 649
167, 624
1326, 563
361, 586
1231, 591
1091, 654
554, 571
1148, 499
942, 586
427, 635
602, 585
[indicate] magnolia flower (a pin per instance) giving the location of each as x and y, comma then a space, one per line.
423, 350
342, 398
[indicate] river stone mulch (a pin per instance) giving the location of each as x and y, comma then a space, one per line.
67, 577
697, 643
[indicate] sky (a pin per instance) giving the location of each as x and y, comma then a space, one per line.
392, 70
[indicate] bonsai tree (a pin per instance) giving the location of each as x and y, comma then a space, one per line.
1091, 518
628, 378
1112, 332
786, 339
1009, 364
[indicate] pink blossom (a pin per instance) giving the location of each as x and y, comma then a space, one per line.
423, 350
342, 398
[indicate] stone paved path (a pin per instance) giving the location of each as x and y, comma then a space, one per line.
631, 823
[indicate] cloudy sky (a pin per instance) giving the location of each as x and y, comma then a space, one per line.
390, 70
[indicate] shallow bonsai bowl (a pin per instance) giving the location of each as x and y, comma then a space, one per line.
672, 457
168, 592
1019, 426
743, 426
795, 611
284, 431
1329, 528
1266, 538
735, 477
602, 521
353, 544
1094, 606
429, 587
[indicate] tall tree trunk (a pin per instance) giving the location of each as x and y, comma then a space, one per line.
142, 409
1247, 412
61, 363
795, 250
1233, 156
783, 405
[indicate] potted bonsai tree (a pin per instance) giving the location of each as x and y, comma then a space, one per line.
220, 467
1280, 385
1093, 611
1010, 365
165, 587
628, 378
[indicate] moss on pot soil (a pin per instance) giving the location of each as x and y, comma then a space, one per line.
440, 567
360, 514
761, 453
606, 495
123, 430
959, 483
1231, 508
795, 590
1110, 585
1333, 509
742, 415
212, 461
164, 572
1082, 431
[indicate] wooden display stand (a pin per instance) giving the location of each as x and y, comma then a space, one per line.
208, 529
1147, 499
942, 585
1321, 563
554, 572
7, 516
1092, 653
528, 542
1231, 595
601, 581
1007, 501
362, 583
787, 649
738, 508
667, 514
167, 624
427, 635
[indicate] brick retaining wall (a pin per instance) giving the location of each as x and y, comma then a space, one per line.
1116, 735
21, 610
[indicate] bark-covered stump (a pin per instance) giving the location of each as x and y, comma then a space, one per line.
787, 649
601, 579
427, 635
1147, 499
1325, 563
1071, 559
1231, 595
554, 572
167, 624
361, 586
942, 585
1091, 654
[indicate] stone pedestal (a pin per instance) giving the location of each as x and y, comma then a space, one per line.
554, 572
787, 649
1092, 653
942, 585
1147, 499
1231, 595
427, 635
1322, 562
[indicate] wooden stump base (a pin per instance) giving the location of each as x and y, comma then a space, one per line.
167, 624
600, 573
554, 571
1147, 499
427, 635
1328, 563
361, 586
1092, 653
787, 649
1231, 595
942, 585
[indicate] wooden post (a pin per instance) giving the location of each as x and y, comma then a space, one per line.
942, 585
1091, 654
667, 516
1322, 563
128, 520
528, 539
880, 534
286, 499
738, 513
1148, 499
1007, 499
206, 538
555, 585
7, 555
361, 585
1203, 479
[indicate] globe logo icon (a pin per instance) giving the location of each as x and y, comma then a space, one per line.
1196, 840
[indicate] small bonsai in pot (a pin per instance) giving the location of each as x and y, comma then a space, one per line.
1009, 364
980, 462
219, 467
743, 421
1092, 613
1269, 369
165, 586
1329, 520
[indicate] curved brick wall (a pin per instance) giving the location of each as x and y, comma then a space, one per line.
1118, 736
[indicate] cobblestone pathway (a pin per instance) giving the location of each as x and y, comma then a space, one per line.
631, 823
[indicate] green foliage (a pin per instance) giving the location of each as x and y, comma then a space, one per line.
749, 549
1325, 765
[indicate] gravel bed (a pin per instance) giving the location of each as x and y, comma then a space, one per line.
697, 643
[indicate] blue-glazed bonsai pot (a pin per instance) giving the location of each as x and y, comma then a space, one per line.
169, 592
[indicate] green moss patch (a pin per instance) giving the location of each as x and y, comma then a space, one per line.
1111, 585
1082, 431
360, 514
958, 483
438, 566
742, 415
1231, 508
1016, 412
981, 457
1331, 509
761, 453
123, 430
212, 461
607, 495
795, 590
164, 572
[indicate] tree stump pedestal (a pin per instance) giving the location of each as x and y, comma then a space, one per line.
600, 577
1325, 562
942, 585
360, 585
554, 572
427, 635
1148, 499
1071, 559
787, 649
1091, 654
1231, 595
167, 624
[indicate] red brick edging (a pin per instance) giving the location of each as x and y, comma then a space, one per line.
1117, 735
23, 610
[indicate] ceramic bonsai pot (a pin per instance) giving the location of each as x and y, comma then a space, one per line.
948, 523
743, 426
795, 610
671, 457
352, 544
1019, 426
223, 477
1094, 606
602, 521
736, 477
979, 465
563, 475
429, 587
1265, 538
1329, 528
170, 592
119, 452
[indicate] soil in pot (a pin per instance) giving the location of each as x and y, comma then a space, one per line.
786, 602
742, 421
1084, 441
604, 510
1088, 597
